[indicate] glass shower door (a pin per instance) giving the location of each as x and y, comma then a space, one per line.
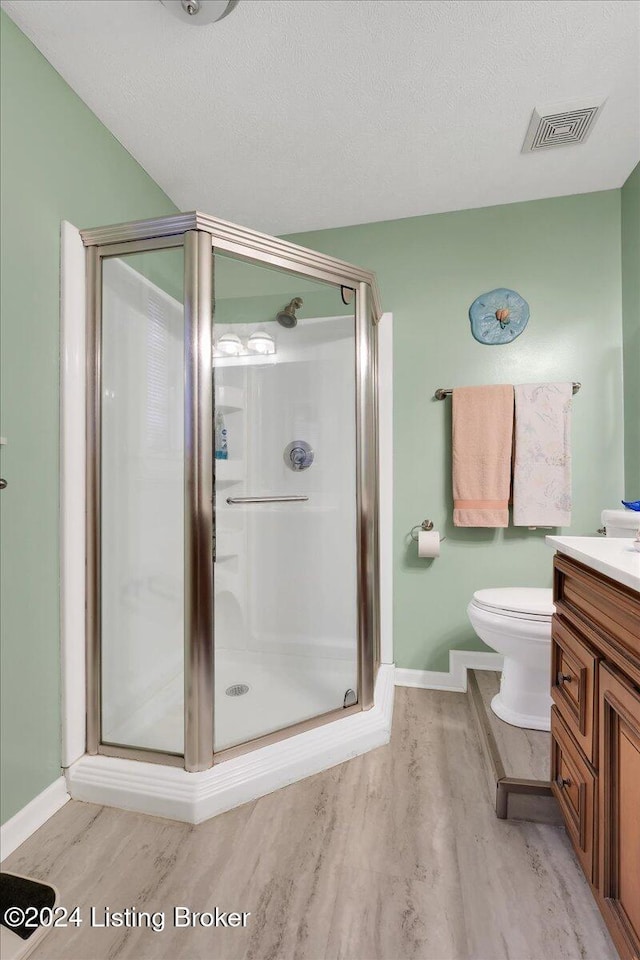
285, 553
142, 501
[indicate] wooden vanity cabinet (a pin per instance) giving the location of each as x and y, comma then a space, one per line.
595, 735
619, 810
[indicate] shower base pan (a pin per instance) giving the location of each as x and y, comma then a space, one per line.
165, 791
279, 688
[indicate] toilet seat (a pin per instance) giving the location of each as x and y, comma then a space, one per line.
518, 603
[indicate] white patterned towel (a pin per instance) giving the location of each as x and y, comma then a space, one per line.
542, 463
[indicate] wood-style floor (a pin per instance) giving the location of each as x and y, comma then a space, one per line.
524, 753
397, 854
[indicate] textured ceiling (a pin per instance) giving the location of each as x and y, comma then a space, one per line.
301, 114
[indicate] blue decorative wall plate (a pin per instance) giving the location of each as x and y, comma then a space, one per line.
498, 316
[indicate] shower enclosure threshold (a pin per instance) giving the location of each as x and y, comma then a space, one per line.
171, 792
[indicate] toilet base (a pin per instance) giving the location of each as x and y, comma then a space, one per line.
524, 699
526, 720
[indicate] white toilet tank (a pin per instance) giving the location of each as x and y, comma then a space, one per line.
620, 523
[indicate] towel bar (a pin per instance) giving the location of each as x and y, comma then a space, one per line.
443, 392
266, 499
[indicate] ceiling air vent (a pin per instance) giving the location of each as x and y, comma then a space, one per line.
560, 126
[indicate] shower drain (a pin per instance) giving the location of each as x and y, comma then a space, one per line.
237, 689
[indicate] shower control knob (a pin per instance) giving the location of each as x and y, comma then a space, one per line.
298, 455
298, 458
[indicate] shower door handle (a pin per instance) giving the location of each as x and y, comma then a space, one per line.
266, 499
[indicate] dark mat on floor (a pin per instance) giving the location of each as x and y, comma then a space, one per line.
23, 894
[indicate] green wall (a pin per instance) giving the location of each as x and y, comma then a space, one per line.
58, 162
631, 331
563, 255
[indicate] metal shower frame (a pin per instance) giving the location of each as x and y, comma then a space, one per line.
201, 236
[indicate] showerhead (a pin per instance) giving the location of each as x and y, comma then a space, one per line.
287, 316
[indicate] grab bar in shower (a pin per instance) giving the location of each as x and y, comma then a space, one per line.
265, 499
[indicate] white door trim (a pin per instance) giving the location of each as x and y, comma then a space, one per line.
72, 492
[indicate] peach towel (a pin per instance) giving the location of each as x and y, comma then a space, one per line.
482, 440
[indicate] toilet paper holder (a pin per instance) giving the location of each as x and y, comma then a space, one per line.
425, 525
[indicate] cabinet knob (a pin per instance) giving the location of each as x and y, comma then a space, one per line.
562, 782
3, 483
563, 678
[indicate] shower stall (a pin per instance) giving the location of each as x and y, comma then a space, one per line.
232, 568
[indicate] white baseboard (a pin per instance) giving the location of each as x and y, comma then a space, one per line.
26, 821
455, 679
193, 797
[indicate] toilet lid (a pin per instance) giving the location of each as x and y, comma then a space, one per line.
526, 602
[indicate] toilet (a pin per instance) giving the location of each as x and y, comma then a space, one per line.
516, 622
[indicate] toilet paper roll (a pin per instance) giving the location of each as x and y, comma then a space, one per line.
429, 543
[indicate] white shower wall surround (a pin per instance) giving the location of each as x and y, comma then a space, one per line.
301, 394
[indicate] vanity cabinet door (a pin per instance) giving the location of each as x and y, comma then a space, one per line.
619, 810
574, 787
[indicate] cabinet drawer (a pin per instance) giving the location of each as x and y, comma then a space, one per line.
574, 786
612, 609
574, 671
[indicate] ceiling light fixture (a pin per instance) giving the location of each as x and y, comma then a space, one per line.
200, 12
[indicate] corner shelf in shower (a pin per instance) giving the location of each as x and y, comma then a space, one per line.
228, 472
229, 400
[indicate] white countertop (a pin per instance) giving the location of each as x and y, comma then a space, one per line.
615, 557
